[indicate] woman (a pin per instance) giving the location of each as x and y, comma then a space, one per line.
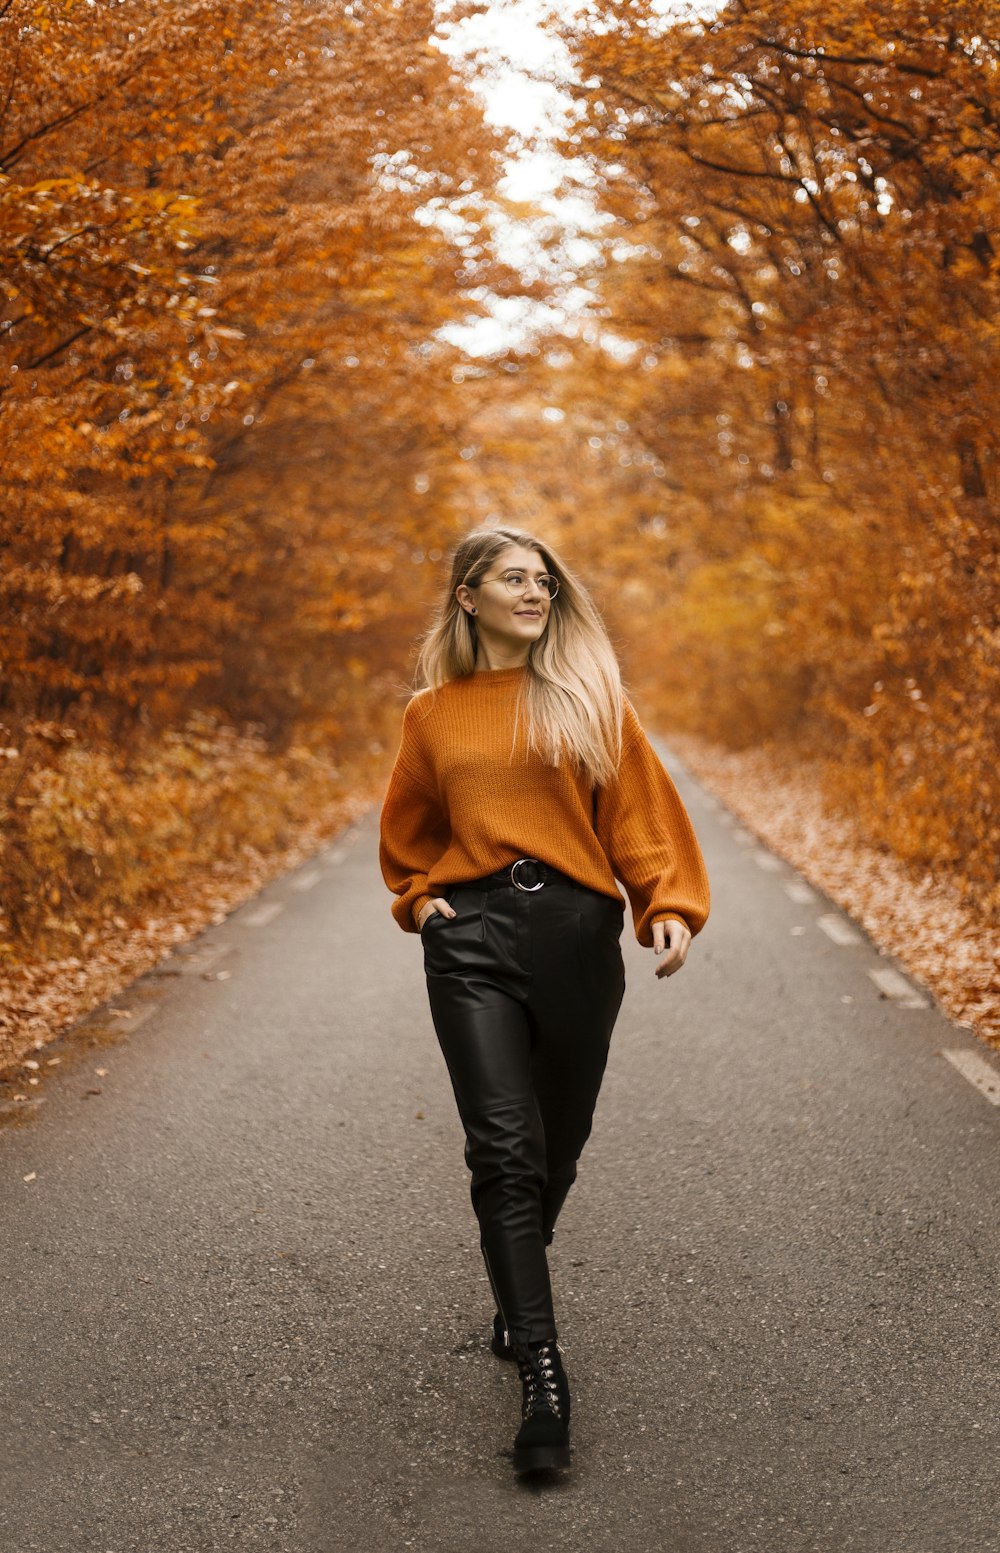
523, 787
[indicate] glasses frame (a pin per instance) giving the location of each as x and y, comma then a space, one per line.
550, 593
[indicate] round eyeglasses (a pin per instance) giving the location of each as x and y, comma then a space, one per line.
519, 582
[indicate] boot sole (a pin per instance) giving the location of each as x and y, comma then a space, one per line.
540, 1458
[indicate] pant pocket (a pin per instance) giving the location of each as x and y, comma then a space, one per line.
452, 940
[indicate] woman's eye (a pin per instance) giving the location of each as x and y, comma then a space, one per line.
515, 578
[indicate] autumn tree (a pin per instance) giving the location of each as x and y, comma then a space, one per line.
209, 227
810, 195
224, 396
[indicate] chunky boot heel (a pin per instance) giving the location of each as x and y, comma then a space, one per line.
543, 1439
499, 1342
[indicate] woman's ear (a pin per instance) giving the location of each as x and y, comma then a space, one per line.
465, 598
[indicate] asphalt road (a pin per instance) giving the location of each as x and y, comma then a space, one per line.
243, 1305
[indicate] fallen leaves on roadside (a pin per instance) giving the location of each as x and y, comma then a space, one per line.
940, 939
41, 999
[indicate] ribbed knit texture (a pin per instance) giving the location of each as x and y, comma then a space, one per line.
465, 799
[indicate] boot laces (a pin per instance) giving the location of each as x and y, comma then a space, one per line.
541, 1388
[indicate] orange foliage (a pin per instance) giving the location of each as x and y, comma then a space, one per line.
236, 445
810, 197
221, 400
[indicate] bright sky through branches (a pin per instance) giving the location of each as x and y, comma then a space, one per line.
522, 66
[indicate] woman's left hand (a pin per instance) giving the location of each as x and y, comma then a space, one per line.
674, 938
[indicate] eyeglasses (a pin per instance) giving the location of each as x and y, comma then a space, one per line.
519, 583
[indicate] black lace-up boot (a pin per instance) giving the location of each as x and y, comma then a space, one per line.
543, 1438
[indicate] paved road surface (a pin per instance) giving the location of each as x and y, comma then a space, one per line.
242, 1299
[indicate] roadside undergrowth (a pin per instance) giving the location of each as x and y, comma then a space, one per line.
107, 866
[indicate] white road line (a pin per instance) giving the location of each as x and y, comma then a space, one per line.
334, 856
132, 1019
800, 893
264, 914
203, 960
768, 861
840, 931
744, 836
306, 881
978, 1071
895, 985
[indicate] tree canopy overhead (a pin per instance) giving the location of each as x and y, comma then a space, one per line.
809, 199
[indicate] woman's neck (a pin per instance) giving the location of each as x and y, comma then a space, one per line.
490, 659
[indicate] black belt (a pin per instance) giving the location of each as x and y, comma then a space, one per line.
527, 875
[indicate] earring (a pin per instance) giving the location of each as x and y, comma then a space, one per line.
472, 609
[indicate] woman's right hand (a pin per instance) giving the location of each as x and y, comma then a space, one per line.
437, 904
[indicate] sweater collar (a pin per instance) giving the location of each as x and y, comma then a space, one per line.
489, 677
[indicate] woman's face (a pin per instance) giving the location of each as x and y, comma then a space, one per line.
508, 623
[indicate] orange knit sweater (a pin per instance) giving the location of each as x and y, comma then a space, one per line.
460, 805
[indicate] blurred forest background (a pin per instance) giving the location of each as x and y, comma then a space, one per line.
237, 444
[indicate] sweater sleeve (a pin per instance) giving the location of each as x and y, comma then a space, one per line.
648, 839
414, 829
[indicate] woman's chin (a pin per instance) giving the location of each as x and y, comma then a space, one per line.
516, 640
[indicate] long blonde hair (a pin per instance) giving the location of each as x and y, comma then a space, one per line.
572, 699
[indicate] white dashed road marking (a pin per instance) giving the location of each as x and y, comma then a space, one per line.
131, 1019
978, 1071
264, 914
840, 931
768, 861
800, 893
895, 985
197, 964
306, 881
334, 856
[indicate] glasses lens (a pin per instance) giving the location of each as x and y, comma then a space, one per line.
517, 582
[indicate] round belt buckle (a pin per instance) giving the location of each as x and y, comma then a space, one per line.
528, 889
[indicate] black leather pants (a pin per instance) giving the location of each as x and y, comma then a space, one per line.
524, 992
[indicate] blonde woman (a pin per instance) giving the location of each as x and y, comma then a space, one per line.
523, 788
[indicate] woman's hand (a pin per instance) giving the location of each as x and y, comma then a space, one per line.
675, 938
428, 910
